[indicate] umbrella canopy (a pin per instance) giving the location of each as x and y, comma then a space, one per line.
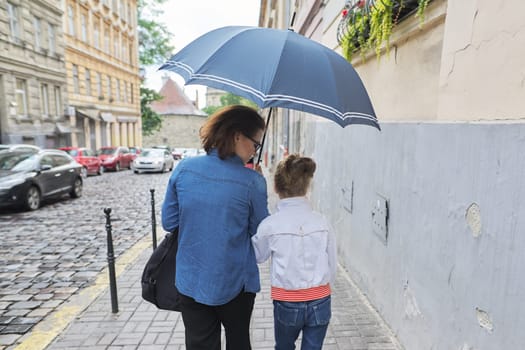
276, 68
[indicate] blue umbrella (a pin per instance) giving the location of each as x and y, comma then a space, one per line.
276, 68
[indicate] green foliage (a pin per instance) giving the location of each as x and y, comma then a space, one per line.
380, 25
151, 121
370, 26
154, 48
421, 8
229, 99
154, 37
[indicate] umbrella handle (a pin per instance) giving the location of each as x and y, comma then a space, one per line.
291, 22
264, 135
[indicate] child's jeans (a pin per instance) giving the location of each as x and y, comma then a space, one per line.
312, 317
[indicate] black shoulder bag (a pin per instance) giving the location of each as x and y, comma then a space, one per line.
158, 277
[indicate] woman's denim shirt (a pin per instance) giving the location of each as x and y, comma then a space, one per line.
217, 205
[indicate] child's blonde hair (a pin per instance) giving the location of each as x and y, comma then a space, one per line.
293, 176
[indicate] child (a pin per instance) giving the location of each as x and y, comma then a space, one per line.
302, 247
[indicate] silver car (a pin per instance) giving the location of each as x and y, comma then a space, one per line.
153, 160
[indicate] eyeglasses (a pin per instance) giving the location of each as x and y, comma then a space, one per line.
256, 144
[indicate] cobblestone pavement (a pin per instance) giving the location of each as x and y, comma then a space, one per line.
141, 326
48, 255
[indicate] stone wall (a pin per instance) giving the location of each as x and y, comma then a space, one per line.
181, 131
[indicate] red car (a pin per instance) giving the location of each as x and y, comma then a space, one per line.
89, 160
115, 158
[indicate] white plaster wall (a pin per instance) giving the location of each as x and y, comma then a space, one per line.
445, 279
482, 75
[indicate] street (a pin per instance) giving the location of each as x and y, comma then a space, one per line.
50, 254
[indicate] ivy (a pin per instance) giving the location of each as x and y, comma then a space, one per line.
369, 24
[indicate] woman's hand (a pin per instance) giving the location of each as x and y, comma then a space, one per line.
257, 168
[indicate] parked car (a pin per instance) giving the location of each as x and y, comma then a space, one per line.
190, 152
153, 160
115, 158
27, 178
89, 160
177, 153
20, 147
135, 151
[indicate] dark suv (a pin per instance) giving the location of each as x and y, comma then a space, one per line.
27, 178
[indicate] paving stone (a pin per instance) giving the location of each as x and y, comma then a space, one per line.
25, 305
8, 339
17, 328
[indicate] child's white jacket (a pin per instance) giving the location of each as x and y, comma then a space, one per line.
301, 244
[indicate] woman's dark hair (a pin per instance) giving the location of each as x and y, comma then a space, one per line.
220, 129
293, 176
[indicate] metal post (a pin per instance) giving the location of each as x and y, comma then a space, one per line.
153, 219
111, 263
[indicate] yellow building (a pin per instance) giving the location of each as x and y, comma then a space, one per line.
103, 82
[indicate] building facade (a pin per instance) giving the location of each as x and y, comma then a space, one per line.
33, 96
428, 210
101, 57
181, 119
213, 96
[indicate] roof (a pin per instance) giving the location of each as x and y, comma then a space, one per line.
175, 101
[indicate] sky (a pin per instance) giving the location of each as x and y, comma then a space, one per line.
189, 19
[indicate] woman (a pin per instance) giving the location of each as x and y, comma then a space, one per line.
217, 203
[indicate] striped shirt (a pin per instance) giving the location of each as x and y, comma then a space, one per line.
307, 294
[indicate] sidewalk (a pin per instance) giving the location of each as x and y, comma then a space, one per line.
139, 325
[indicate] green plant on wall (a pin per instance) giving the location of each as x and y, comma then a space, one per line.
421, 8
381, 24
368, 24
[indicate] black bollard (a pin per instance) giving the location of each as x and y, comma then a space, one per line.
153, 219
111, 263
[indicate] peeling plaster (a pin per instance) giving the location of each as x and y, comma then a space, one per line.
484, 320
473, 217
411, 307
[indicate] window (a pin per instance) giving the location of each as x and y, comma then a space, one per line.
131, 92
124, 50
122, 10
51, 41
87, 75
38, 32
116, 45
44, 97
21, 97
83, 27
14, 23
125, 91
58, 101
118, 97
108, 80
106, 39
59, 160
99, 85
131, 53
76, 88
71, 20
96, 33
